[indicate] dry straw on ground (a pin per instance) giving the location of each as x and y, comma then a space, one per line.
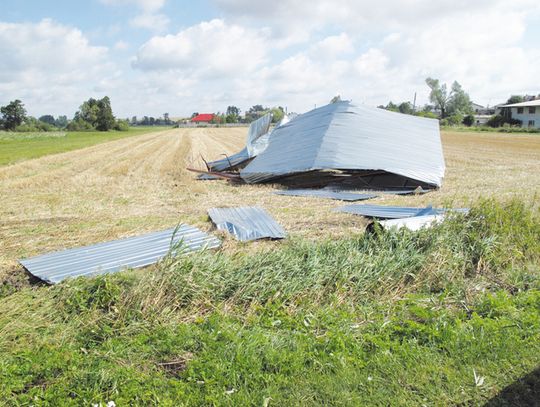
135, 185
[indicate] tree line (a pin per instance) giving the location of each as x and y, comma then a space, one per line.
451, 105
93, 114
232, 114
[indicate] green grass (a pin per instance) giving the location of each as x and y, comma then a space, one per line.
484, 129
446, 316
15, 147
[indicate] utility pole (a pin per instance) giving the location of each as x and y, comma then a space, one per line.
414, 104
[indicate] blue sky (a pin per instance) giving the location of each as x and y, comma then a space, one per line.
157, 56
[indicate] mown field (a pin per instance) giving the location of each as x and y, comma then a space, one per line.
333, 316
15, 147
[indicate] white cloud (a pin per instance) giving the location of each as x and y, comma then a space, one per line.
212, 49
397, 44
333, 46
121, 45
49, 65
149, 6
149, 18
153, 22
296, 54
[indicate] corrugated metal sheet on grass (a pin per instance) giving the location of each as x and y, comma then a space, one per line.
413, 223
110, 257
342, 136
326, 193
247, 223
388, 212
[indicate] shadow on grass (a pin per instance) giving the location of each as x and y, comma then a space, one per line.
523, 392
17, 278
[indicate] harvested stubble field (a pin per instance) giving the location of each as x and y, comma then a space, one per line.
130, 186
445, 316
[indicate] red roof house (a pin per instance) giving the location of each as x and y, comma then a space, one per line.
203, 118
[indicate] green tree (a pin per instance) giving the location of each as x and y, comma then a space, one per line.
392, 107
61, 122
277, 114
460, 102
47, 118
405, 108
96, 113
439, 95
514, 99
13, 114
468, 120
105, 118
233, 110
257, 108
454, 102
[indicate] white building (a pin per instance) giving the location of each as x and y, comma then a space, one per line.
527, 112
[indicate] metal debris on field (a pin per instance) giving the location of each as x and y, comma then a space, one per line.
246, 223
113, 256
327, 193
257, 141
413, 223
355, 146
207, 177
393, 212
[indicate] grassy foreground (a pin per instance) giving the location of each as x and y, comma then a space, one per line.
16, 147
440, 317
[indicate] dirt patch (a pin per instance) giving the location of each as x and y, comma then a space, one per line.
176, 366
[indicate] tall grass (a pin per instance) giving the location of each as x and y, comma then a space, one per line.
493, 246
445, 316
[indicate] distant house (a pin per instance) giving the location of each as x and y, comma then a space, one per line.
527, 112
203, 118
481, 110
481, 119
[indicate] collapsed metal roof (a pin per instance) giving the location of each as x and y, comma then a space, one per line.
110, 257
370, 146
246, 223
327, 193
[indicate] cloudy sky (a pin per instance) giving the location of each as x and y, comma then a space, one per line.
157, 56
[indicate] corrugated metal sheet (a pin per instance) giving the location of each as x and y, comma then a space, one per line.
207, 177
387, 212
342, 136
230, 161
326, 193
257, 141
246, 223
393, 212
413, 223
110, 257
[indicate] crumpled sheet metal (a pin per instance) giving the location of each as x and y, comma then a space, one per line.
346, 137
116, 255
246, 223
256, 142
326, 193
394, 212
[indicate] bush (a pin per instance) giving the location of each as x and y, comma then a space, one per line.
79, 125
468, 120
499, 121
455, 119
429, 115
121, 125
31, 125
